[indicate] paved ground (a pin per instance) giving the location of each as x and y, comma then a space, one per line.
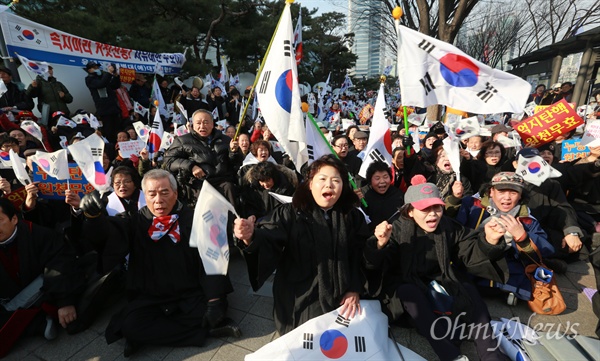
254, 314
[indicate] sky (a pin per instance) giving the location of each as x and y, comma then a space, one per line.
325, 5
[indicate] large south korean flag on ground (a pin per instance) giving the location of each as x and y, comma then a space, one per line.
279, 95
333, 337
434, 72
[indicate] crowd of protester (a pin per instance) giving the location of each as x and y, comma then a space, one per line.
63, 260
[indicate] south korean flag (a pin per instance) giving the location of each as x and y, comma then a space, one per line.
535, 170
334, 337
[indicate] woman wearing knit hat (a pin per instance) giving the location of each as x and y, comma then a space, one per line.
418, 255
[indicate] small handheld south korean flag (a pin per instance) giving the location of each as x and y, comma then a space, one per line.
535, 170
334, 337
88, 153
35, 67
54, 164
209, 230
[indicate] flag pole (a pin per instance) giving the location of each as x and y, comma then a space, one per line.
397, 14
352, 183
239, 127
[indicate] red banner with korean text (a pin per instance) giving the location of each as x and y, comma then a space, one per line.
548, 124
17, 197
127, 75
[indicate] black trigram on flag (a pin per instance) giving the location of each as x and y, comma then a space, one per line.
208, 216
308, 341
487, 93
53, 158
341, 320
155, 125
311, 152
427, 83
359, 344
376, 156
287, 48
96, 152
265, 82
426, 45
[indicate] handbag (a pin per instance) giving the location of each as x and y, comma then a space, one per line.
440, 300
546, 298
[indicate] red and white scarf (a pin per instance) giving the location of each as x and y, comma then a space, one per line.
165, 225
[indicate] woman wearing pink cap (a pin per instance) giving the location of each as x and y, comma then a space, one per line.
421, 256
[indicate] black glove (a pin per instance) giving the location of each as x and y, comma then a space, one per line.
215, 313
92, 204
407, 141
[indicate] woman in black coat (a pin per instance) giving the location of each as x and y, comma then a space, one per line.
423, 250
315, 243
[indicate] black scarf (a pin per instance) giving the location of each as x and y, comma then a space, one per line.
331, 246
444, 181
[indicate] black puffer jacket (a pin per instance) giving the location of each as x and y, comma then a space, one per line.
211, 153
102, 88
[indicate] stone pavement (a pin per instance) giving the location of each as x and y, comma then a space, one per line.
253, 312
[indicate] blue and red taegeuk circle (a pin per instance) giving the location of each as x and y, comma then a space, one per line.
333, 344
459, 71
28, 34
534, 167
283, 90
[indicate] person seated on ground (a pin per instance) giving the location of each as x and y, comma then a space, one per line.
176, 308
422, 247
504, 198
383, 200
583, 184
260, 151
548, 204
451, 189
39, 278
398, 175
486, 164
262, 179
203, 154
315, 245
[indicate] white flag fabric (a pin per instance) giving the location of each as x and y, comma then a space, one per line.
139, 108
434, 72
19, 168
54, 164
332, 336
281, 198
3, 88
156, 135
465, 128
35, 67
166, 141
34, 129
279, 95
224, 73
379, 146
88, 155
182, 111
209, 230
142, 130
65, 122
94, 122
315, 142
346, 84
453, 152
535, 170
298, 38
324, 90
181, 130
157, 95
215, 114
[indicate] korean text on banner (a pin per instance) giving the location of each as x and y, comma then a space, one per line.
40, 42
52, 188
545, 126
574, 149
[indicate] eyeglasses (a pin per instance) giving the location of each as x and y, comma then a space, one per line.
124, 183
343, 145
